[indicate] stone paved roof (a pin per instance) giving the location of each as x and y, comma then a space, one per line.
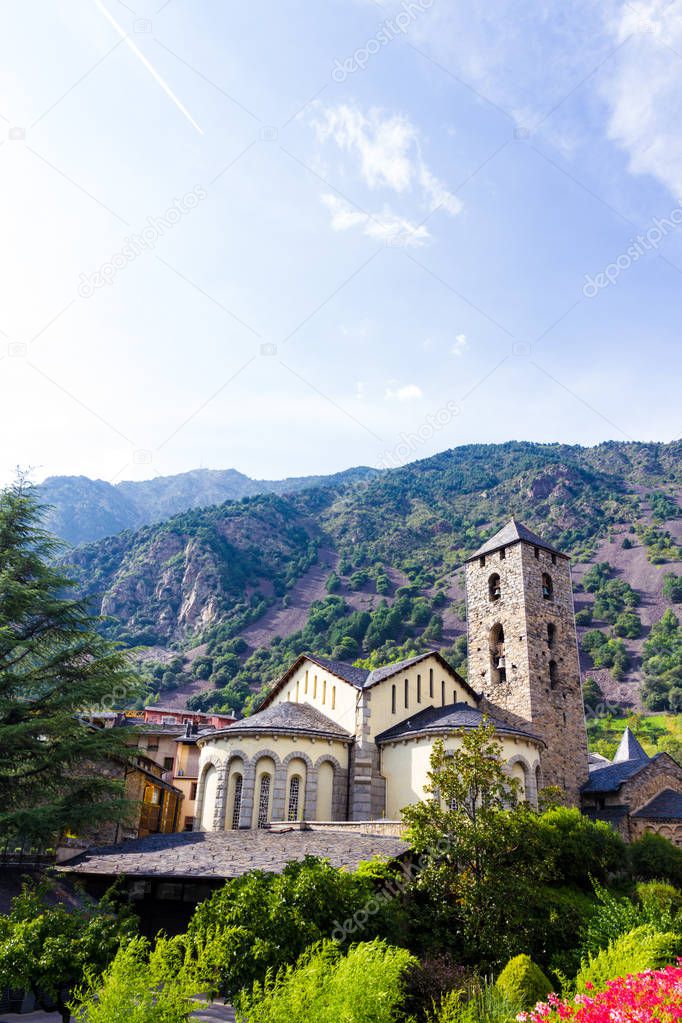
285, 718
227, 854
452, 717
512, 533
666, 805
356, 676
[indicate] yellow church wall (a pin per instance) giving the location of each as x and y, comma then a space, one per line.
380, 695
222, 747
405, 766
320, 688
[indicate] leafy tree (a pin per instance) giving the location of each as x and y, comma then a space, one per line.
138, 987
54, 668
672, 587
606, 653
469, 833
627, 624
662, 662
47, 950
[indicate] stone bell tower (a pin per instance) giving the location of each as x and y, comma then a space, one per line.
523, 650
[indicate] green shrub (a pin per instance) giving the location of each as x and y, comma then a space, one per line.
638, 950
523, 983
653, 857
327, 987
484, 1004
659, 899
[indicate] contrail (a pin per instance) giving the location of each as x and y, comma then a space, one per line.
152, 70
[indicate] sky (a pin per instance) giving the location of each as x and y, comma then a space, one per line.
291, 238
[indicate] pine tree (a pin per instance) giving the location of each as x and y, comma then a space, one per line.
57, 770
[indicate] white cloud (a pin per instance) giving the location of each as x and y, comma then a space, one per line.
360, 390
388, 150
408, 392
644, 91
386, 226
461, 344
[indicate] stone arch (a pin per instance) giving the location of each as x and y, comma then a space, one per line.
235, 783
331, 794
253, 786
494, 587
527, 779
498, 671
309, 793
217, 762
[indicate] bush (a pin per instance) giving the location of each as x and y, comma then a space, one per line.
431, 980
584, 616
523, 983
659, 899
672, 587
653, 857
640, 949
326, 987
485, 1004
578, 849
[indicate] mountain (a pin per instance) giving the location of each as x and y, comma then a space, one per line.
367, 565
80, 510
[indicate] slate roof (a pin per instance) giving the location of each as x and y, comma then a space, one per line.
227, 854
513, 532
453, 717
666, 805
284, 718
629, 748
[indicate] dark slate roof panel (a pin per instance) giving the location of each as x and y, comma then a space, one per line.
512, 533
451, 717
227, 854
667, 805
285, 717
356, 676
630, 748
610, 778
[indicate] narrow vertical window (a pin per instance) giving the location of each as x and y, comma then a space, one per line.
481, 561
294, 797
333, 697
547, 586
553, 675
393, 699
237, 802
298, 690
442, 692
503, 554
305, 684
537, 553
324, 690
431, 683
263, 800
419, 689
407, 692
554, 559
314, 687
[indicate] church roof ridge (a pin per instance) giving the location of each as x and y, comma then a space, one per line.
513, 532
629, 749
284, 717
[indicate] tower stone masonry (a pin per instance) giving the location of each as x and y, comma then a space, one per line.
523, 650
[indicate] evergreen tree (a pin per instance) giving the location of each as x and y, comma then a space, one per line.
56, 771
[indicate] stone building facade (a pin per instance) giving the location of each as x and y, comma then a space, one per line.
523, 648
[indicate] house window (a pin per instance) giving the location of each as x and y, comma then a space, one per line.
547, 586
553, 675
554, 559
168, 763
503, 554
537, 553
305, 684
419, 689
407, 692
193, 790
481, 561
431, 683
294, 797
324, 690
551, 634
333, 697
393, 699
494, 589
314, 687
263, 800
442, 692
298, 690
237, 801
189, 824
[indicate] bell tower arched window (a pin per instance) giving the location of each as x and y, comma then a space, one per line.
494, 589
551, 634
498, 666
547, 586
553, 675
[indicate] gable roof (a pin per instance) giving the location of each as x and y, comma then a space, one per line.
666, 805
629, 748
362, 678
284, 718
514, 532
453, 717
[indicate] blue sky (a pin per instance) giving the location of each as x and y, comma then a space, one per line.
293, 238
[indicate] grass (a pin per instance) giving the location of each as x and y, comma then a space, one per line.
604, 733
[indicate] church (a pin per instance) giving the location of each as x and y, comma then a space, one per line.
339, 744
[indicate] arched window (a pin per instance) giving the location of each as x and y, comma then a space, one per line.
407, 692
551, 634
237, 801
264, 800
431, 682
442, 692
393, 699
294, 797
547, 586
553, 675
494, 589
498, 666
419, 689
